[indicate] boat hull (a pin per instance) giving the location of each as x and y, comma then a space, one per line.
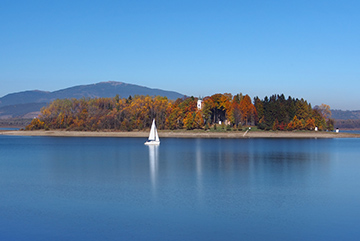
148, 143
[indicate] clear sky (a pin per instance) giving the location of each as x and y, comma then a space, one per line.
306, 48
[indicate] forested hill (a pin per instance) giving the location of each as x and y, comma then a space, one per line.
22, 103
349, 119
345, 115
102, 89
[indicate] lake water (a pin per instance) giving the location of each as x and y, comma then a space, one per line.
55, 188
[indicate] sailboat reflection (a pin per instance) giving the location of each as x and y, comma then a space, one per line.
153, 158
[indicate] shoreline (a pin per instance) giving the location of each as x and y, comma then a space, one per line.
185, 134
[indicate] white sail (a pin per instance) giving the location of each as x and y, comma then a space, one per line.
152, 131
156, 133
153, 136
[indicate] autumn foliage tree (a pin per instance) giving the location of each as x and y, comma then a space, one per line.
247, 111
35, 124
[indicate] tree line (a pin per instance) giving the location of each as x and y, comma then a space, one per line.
279, 113
137, 113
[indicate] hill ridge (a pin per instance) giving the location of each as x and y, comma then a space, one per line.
100, 89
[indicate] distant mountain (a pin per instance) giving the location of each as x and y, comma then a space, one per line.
103, 89
32, 96
345, 114
28, 110
346, 119
23, 103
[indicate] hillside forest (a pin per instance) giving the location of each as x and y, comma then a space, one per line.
222, 111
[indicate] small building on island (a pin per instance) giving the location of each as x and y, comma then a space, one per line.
199, 104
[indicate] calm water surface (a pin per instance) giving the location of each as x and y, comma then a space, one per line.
185, 189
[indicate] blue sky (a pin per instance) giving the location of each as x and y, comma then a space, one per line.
308, 49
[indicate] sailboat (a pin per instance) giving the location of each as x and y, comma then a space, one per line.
153, 136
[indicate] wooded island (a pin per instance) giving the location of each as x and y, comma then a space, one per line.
217, 111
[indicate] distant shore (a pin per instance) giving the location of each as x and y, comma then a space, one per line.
184, 134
